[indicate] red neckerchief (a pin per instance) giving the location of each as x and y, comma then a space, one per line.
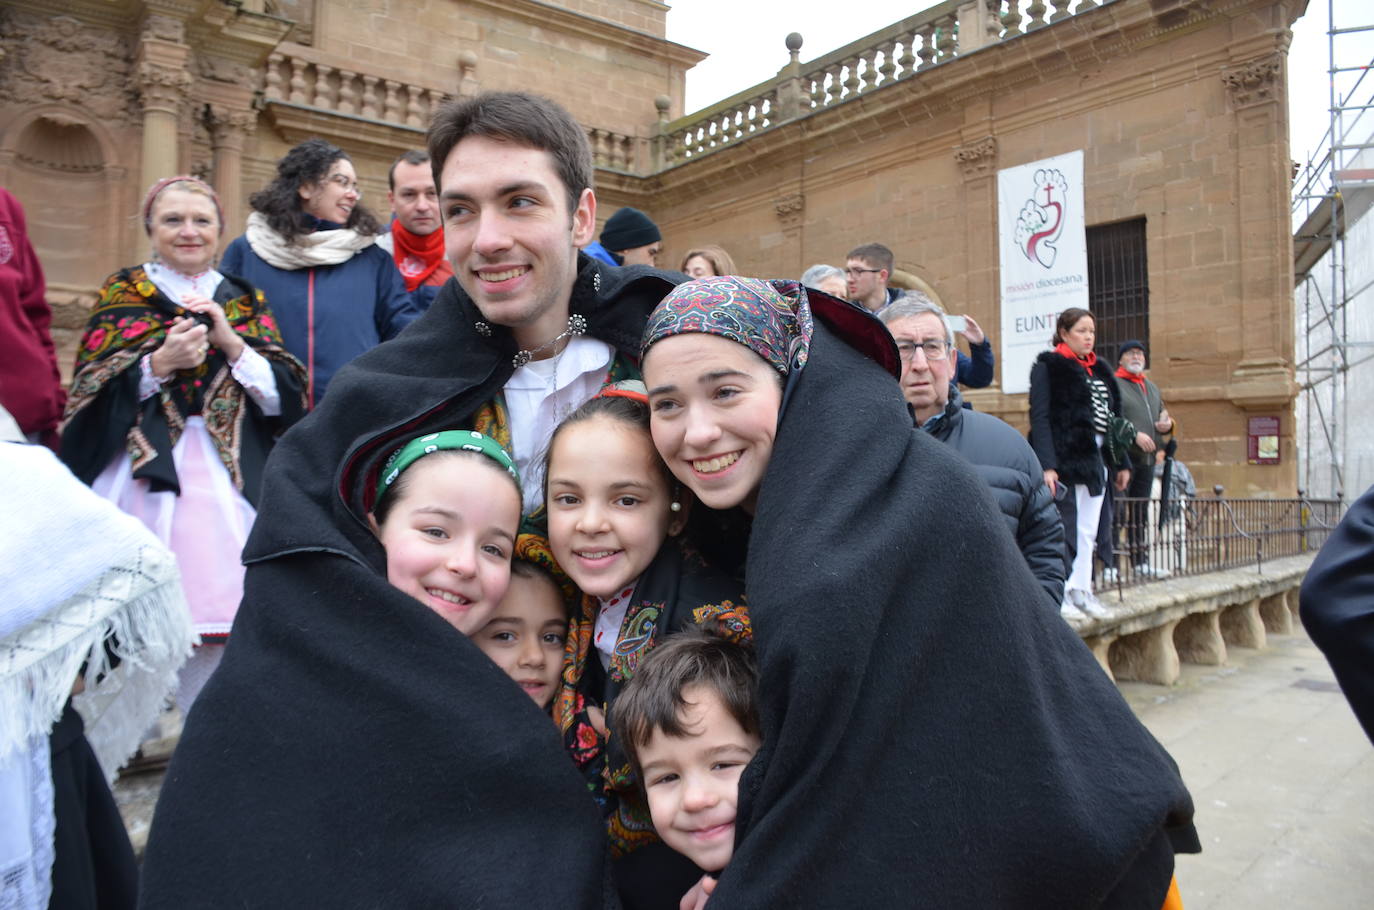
1086, 363
1137, 378
417, 257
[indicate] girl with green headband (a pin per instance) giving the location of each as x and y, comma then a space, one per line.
448, 525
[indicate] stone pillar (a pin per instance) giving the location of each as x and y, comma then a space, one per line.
228, 129
1263, 378
977, 161
163, 85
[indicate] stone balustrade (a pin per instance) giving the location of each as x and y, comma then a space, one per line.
893, 54
313, 83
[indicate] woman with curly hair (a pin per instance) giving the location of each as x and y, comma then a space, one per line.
311, 246
181, 388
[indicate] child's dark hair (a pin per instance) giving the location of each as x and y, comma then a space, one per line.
653, 699
630, 411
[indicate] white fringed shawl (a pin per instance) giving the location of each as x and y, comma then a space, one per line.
81, 581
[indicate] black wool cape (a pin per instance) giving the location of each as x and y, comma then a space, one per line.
934, 735
354, 749
1061, 417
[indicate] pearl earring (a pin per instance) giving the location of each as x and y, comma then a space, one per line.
675, 507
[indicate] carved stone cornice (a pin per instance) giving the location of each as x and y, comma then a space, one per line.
790, 208
978, 158
1254, 82
162, 88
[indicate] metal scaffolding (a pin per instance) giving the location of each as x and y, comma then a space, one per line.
1333, 259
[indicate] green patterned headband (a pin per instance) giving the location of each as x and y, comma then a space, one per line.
444, 440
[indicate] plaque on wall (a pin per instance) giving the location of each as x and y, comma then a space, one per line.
1263, 436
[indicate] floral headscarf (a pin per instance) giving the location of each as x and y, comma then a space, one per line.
770, 318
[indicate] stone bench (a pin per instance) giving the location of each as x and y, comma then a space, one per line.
1154, 626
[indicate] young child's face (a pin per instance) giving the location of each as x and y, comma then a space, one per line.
693, 782
525, 635
450, 535
608, 504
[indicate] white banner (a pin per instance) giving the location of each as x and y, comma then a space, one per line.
1044, 257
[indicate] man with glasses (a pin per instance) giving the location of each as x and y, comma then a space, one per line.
1004, 460
867, 270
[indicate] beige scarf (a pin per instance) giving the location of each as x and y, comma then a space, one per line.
307, 251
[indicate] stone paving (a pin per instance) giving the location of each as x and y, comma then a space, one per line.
1281, 774
1282, 778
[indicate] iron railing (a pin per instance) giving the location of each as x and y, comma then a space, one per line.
1196, 535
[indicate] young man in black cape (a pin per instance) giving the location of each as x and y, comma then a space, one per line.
353, 749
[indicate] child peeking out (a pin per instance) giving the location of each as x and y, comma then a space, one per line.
447, 511
689, 724
615, 515
526, 633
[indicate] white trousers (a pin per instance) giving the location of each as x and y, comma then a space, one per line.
1089, 508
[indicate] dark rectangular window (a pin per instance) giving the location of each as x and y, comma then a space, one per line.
1118, 285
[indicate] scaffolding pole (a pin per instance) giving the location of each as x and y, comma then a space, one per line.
1331, 193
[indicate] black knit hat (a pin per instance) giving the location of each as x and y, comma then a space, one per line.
627, 229
1130, 345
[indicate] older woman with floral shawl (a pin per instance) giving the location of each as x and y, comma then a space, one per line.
181, 388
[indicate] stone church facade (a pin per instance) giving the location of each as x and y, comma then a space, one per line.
1180, 107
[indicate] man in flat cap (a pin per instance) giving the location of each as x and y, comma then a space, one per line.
1143, 405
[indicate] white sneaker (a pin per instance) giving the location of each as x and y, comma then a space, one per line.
1110, 576
1089, 604
1145, 570
1071, 614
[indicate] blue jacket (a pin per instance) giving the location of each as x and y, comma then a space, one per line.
357, 305
597, 251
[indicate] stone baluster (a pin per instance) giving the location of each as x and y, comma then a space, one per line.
433, 99
370, 97
1036, 15
628, 146
661, 146
927, 51
888, 70
468, 86
347, 96
298, 84
868, 77
816, 81
392, 112
946, 41
1011, 20
414, 116
907, 61
1061, 10
272, 81
598, 141
994, 21
323, 95
851, 79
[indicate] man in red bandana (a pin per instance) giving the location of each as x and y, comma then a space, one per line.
1143, 405
416, 241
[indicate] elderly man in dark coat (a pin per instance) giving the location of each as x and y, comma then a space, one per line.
1004, 461
1143, 405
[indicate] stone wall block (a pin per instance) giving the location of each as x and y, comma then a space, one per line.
1242, 626
1198, 639
1148, 656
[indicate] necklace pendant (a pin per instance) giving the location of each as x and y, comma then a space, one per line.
577, 324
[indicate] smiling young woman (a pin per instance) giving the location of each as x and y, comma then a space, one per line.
311, 246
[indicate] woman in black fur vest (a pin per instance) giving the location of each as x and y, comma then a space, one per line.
1072, 398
